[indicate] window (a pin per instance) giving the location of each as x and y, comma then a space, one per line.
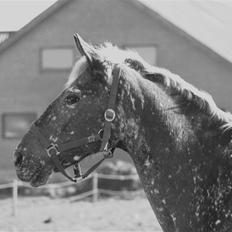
3, 36
57, 58
147, 52
15, 125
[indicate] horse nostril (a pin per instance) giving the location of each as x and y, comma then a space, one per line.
18, 158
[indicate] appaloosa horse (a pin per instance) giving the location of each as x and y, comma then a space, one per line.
179, 140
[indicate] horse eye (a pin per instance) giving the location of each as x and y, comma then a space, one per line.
72, 99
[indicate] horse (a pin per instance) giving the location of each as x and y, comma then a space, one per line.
177, 137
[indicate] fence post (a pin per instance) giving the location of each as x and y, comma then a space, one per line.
95, 187
15, 197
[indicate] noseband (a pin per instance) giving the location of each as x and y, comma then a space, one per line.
55, 149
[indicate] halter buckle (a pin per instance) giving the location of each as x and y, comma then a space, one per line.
53, 149
91, 139
109, 115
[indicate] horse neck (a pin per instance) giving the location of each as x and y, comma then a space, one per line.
146, 121
166, 151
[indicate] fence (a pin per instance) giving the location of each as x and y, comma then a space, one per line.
94, 192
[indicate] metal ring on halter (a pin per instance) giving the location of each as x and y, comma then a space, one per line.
109, 115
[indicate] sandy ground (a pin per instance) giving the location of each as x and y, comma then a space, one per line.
45, 214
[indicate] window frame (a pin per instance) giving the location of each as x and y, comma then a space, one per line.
41, 49
4, 127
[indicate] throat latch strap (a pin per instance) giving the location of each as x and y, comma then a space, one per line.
106, 155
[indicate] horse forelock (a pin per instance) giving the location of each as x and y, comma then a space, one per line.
116, 55
107, 53
79, 67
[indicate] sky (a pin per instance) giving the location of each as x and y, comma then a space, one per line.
14, 14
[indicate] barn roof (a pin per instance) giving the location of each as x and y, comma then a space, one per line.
152, 7
31, 25
208, 22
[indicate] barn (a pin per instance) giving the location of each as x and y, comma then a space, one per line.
36, 60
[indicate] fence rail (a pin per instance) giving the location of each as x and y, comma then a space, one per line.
6, 186
94, 192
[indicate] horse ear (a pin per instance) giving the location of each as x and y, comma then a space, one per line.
85, 49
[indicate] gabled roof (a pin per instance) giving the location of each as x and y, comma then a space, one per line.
152, 7
17, 13
31, 25
208, 22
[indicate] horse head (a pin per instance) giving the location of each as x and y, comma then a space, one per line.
81, 121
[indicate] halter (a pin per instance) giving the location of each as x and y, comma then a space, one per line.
55, 149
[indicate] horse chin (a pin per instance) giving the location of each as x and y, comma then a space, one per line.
40, 178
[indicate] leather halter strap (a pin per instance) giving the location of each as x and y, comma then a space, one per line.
54, 149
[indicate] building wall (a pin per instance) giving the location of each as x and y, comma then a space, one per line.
26, 88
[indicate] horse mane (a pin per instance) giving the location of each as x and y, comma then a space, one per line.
171, 82
176, 86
